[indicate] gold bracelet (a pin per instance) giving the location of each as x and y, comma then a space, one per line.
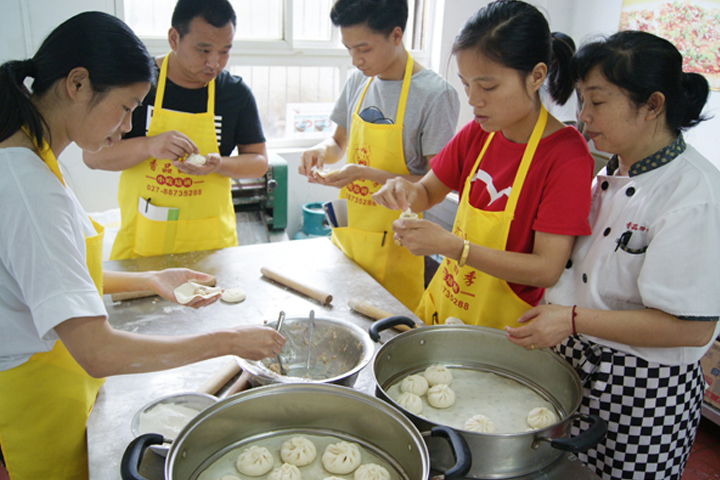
465, 252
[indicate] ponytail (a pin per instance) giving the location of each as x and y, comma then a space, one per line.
16, 108
696, 90
560, 78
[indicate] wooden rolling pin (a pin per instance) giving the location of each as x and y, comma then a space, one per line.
117, 297
373, 312
220, 378
319, 295
242, 383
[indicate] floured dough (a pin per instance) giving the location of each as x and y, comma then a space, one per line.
233, 295
371, 471
541, 417
298, 451
341, 458
323, 172
410, 402
255, 461
453, 321
416, 384
480, 423
437, 374
229, 477
408, 215
196, 159
187, 291
441, 396
286, 472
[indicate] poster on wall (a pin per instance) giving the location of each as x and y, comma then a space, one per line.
309, 120
693, 26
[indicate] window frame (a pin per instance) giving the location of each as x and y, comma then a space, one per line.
295, 53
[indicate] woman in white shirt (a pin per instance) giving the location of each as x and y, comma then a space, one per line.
638, 298
55, 341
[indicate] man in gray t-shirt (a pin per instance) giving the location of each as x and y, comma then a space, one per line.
405, 116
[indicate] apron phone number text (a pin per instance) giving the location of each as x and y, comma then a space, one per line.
173, 192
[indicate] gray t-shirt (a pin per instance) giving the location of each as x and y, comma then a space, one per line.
431, 113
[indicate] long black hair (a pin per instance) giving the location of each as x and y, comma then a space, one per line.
516, 35
112, 54
641, 64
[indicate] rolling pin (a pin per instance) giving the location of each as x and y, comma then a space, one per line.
220, 378
314, 293
116, 297
373, 312
242, 383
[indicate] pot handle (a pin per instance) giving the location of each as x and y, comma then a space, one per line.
587, 439
460, 451
134, 454
386, 323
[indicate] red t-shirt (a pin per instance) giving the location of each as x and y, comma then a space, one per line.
555, 197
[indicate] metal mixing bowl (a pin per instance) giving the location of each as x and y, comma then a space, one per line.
323, 350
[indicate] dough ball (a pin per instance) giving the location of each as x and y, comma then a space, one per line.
196, 159
416, 384
371, 471
286, 472
541, 417
254, 461
410, 402
189, 290
298, 451
341, 458
233, 295
480, 423
229, 477
438, 374
408, 214
441, 396
453, 321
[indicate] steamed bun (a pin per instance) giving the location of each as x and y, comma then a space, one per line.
480, 423
371, 471
286, 472
438, 374
410, 402
441, 396
541, 417
298, 451
254, 461
341, 458
416, 384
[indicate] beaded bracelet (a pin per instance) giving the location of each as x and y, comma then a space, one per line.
574, 314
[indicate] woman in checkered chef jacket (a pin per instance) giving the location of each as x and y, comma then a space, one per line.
638, 304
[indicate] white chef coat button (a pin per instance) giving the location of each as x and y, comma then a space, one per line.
607, 232
584, 277
568, 264
630, 191
605, 185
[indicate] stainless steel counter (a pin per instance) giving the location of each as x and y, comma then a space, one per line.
316, 262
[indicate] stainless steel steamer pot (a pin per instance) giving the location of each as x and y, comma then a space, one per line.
494, 455
274, 409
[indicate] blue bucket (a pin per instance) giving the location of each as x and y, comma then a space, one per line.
314, 221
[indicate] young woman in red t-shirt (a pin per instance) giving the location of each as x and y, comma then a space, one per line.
523, 177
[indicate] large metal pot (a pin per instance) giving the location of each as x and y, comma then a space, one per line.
259, 414
317, 350
482, 348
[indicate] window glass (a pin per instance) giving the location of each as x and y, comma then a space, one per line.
311, 20
258, 19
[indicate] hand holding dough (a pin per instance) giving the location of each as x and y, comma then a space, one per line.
233, 295
196, 159
323, 172
189, 290
408, 215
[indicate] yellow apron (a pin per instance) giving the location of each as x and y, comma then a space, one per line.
45, 402
204, 219
464, 292
368, 238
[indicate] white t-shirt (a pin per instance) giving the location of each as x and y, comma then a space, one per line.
43, 273
670, 260
431, 112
